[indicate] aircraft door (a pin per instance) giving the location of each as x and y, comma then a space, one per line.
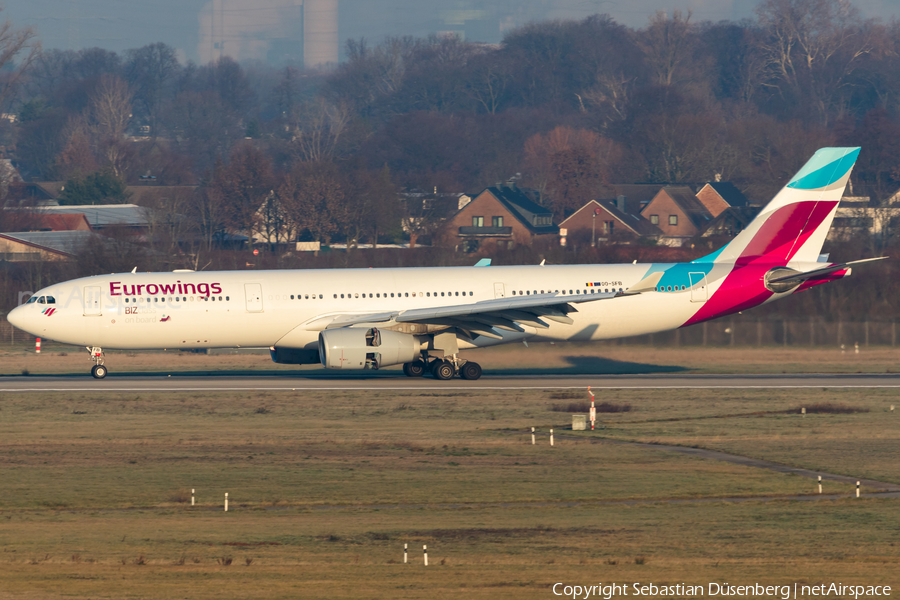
92, 301
699, 291
499, 291
253, 293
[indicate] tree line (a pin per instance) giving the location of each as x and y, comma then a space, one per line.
571, 105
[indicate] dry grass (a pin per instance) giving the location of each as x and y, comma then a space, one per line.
322, 500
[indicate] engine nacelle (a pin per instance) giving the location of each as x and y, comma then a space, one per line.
361, 348
294, 356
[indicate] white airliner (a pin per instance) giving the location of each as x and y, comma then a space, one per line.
422, 318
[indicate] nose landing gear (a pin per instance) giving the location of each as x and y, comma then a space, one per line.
98, 370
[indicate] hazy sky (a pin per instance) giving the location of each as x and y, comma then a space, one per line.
118, 25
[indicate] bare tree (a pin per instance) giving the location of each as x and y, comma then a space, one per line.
812, 47
668, 44
150, 70
314, 200
319, 130
18, 49
110, 113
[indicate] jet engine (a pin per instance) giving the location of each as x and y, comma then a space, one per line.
361, 348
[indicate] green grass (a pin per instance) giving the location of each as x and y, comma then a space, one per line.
325, 488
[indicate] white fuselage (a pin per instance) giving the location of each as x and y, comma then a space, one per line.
228, 309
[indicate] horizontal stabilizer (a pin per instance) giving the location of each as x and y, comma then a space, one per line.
647, 284
783, 279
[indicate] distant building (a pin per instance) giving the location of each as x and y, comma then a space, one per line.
36, 246
606, 221
102, 216
278, 32
717, 196
678, 214
858, 216
501, 217
731, 221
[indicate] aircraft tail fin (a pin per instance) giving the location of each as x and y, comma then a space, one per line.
793, 226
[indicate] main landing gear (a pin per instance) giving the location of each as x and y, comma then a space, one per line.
98, 370
444, 369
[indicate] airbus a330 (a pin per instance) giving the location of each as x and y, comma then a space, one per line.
422, 318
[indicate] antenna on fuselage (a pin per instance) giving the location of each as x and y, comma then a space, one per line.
134, 270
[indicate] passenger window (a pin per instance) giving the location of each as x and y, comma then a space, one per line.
428, 294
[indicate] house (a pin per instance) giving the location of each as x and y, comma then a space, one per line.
637, 195
32, 194
731, 221
718, 196
42, 221
103, 216
501, 216
34, 246
425, 212
607, 221
856, 216
678, 214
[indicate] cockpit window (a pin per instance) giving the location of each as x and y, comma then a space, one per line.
42, 300
51, 300
32, 300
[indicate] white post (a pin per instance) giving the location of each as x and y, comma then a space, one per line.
803, 411
551, 437
820, 484
856, 346
405, 559
37, 345
532, 432
593, 409
192, 497
857, 489
425, 552
892, 408
226, 501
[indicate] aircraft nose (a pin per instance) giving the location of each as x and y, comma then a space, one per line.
16, 317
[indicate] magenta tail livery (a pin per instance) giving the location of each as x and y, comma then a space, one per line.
422, 318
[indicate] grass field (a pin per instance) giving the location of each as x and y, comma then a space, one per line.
326, 488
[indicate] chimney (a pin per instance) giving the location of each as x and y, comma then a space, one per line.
620, 203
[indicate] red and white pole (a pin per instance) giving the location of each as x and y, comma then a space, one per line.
593, 408
37, 345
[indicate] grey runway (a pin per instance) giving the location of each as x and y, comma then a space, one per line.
385, 381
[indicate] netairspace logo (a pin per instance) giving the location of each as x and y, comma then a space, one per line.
784, 592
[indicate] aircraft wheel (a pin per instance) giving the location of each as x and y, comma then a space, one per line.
415, 368
443, 370
98, 371
470, 371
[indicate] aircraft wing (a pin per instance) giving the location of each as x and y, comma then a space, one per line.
485, 317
